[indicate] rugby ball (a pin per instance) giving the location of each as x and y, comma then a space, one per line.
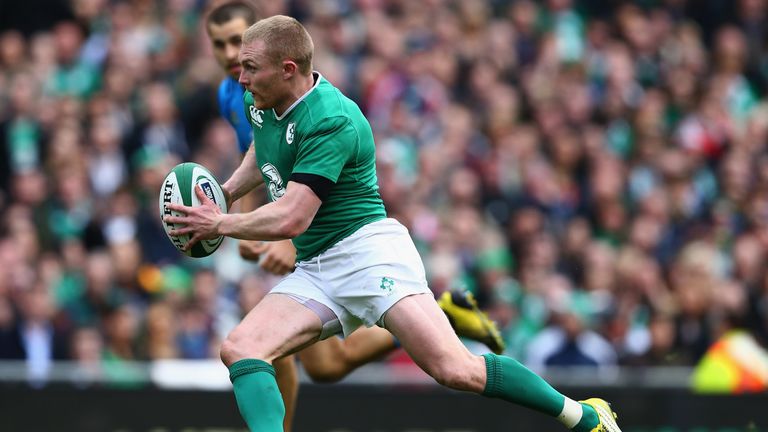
179, 187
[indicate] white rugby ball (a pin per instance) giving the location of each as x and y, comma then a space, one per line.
179, 187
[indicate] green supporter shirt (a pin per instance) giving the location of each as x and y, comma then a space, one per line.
323, 133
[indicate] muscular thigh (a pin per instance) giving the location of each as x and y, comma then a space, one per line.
427, 336
277, 326
423, 330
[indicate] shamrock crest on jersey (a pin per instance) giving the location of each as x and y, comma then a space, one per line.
276, 186
289, 133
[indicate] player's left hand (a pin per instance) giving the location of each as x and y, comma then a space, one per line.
201, 222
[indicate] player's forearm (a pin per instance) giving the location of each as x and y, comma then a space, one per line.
245, 178
268, 222
285, 218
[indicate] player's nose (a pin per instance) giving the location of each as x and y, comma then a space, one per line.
232, 51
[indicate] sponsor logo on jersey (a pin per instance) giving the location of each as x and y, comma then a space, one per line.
256, 116
289, 133
276, 186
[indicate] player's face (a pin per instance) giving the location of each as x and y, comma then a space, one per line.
225, 39
261, 76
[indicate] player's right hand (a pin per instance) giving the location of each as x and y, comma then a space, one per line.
276, 257
279, 258
251, 250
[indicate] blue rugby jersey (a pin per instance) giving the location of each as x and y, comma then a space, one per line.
231, 108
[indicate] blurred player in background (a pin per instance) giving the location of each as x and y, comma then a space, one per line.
333, 358
356, 266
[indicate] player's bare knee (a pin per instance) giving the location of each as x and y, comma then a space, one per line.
235, 347
456, 372
452, 378
332, 372
325, 372
327, 375
229, 352
326, 369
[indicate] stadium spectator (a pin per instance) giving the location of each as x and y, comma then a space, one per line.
37, 338
568, 341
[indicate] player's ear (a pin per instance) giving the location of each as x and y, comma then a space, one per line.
290, 69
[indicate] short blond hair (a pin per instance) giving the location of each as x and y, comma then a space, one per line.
285, 38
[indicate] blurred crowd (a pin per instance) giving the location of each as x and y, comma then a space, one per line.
596, 172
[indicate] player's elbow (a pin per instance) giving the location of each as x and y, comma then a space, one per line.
292, 227
293, 224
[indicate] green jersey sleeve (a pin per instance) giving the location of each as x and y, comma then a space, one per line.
327, 148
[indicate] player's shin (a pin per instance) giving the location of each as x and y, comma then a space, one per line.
257, 395
509, 380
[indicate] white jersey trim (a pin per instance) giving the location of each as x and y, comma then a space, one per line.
290, 108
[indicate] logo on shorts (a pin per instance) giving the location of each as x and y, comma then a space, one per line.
387, 284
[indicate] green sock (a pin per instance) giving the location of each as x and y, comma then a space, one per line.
589, 419
258, 397
513, 382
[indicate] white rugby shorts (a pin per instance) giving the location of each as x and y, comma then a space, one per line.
362, 276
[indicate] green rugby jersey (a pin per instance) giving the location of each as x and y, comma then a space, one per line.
323, 133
